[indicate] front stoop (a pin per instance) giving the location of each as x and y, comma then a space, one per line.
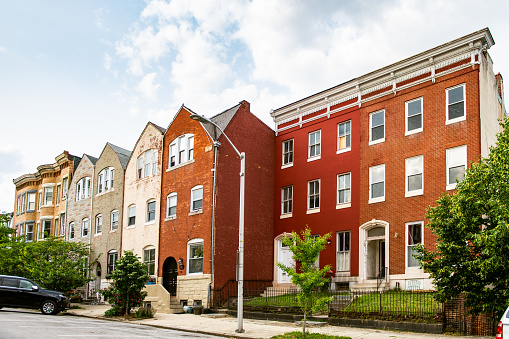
161, 301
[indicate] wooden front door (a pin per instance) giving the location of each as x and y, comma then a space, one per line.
170, 272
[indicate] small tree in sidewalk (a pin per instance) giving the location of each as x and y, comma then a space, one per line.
307, 276
129, 278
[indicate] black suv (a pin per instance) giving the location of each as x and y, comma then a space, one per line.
21, 292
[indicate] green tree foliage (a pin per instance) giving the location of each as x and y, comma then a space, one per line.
129, 278
5, 231
306, 276
472, 230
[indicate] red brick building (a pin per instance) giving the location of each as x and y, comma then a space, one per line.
199, 234
364, 159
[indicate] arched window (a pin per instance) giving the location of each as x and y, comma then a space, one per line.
83, 188
84, 227
71, 230
181, 150
149, 258
196, 198
151, 210
147, 164
112, 260
171, 205
105, 179
131, 217
98, 224
195, 256
114, 220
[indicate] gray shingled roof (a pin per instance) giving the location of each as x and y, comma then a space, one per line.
122, 153
92, 159
222, 120
162, 129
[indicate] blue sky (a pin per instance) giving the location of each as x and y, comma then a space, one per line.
77, 74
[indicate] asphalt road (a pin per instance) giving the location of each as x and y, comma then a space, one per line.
22, 324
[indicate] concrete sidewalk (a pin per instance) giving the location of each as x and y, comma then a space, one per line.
223, 325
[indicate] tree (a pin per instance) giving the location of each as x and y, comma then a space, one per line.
307, 277
472, 230
129, 278
5, 232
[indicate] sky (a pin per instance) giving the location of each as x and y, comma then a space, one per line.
77, 74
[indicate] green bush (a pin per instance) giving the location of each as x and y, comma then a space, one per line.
143, 313
115, 311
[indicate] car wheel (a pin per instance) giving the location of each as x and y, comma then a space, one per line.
49, 307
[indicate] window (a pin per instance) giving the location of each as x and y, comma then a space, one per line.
196, 198
149, 258
413, 116
344, 136
147, 164
343, 251
18, 208
84, 227
46, 228
31, 201
40, 199
181, 150
48, 196
343, 189
131, 218
23, 202
151, 211
287, 200
288, 152
455, 98
59, 189
139, 171
83, 188
377, 183
171, 203
313, 194
414, 237
64, 190
456, 165
105, 179
112, 260
98, 224
376, 127
414, 177
114, 220
195, 256
29, 231
314, 145
57, 224
62, 224
71, 230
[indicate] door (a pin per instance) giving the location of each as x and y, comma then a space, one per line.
284, 257
381, 259
170, 272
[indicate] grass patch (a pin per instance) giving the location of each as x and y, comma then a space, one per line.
75, 307
298, 335
281, 300
395, 301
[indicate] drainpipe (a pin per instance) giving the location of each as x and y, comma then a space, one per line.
216, 145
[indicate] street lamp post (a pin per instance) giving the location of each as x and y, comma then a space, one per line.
240, 268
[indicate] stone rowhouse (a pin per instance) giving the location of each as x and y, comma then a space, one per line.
40, 199
364, 159
200, 204
108, 196
142, 197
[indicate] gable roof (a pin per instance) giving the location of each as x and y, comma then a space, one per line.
222, 120
122, 153
159, 128
92, 159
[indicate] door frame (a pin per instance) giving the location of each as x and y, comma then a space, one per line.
168, 260
363, 246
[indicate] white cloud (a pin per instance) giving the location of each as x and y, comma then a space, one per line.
147, 86
3, 49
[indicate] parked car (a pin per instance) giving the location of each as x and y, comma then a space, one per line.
503, 326
22, 293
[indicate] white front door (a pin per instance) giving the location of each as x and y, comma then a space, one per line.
284, 257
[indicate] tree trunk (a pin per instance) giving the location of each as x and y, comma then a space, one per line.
304, 325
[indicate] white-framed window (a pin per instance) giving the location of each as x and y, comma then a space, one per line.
414, 183
287, 200
377, 183
64, 187
59, 191
57, 225
23, 202
112, 260
195, 256
343, 251
456, 159
46, 228
171, 205
131, 217
288, 152
29, 227
197, 198
147, 164
344, 194
38, 230
181, 150
105, 179
62, 223
149, 258
31, 201
314, 145
377, 127
40, 199
151, 211
455, 104
48, 196
98, 224
72, 233
83, 188
314, 194
414, 233
18, 205
344, 136
114, 220
84, 227
413, 116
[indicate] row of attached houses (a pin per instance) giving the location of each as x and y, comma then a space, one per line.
362, 160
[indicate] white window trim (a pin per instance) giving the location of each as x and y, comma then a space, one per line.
176, 143
378, 199
287, 214
417, 130
72, 227
171, 216
128, 216
453, 186
111, 220
96, 218
414, 192
314, 209
370, 128
83, 228
289, 164
349, 148
195, 188
406, 241
314, 157
149, 248
101, 180
343, 204
191, 242
147, 222
349, 251
464, 117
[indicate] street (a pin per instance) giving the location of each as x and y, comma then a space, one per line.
22, 324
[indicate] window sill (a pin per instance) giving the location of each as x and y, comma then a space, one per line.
451, 187
413, 193
129, 227
113, 231
194, 213
452, 121
316, 157
343, 150
197, 273
284, 216
180, 165
151, 222
379, 141
344, 205
98, 234
171, 218
287, 165
375, 200
104, 192
313, 211
43, 206
29, 211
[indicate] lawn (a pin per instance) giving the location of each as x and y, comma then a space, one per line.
298, 335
